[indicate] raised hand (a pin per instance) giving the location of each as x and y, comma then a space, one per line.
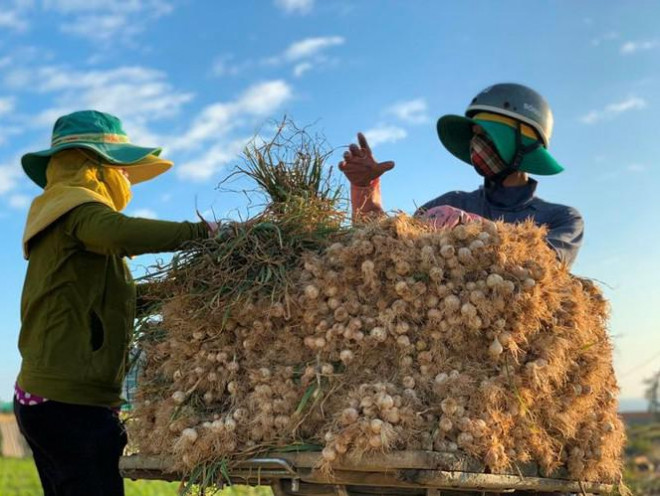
359, 165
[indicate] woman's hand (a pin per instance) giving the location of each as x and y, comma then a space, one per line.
213, 228
359, 165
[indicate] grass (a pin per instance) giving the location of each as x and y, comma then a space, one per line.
18, 477
643, 440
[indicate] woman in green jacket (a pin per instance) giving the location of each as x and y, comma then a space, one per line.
78, 301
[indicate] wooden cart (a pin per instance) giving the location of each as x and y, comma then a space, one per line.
410, 473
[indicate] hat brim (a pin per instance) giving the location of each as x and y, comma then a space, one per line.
144, 170
455, 133
127, 156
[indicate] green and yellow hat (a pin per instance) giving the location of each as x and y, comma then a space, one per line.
103, 134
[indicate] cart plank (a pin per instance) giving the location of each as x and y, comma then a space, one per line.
406, 469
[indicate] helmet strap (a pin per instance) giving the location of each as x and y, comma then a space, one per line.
518, 156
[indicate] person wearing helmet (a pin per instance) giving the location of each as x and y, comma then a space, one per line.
78, 301
504, 135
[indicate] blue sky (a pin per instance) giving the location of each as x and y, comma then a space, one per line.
201, 77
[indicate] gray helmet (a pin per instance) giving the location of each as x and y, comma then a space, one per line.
518, 102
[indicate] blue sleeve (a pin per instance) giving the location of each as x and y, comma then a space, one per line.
565, 235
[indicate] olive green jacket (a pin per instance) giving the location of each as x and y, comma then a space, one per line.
78, 301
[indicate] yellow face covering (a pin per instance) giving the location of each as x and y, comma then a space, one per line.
75, 177
118, 186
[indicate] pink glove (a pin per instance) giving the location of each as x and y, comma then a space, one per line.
213, 227
445, 216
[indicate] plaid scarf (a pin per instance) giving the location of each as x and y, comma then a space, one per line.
485, 158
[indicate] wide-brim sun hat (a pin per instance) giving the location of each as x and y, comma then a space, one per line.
455, 133
103, 134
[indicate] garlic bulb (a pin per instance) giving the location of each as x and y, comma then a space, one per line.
495, 349
441, 378
376, 425
464, 439
494, 281
449, 406
379, 334
189, 435
346, 356
445, 424
349, 416
329, 454
375, 441
385, 401
179, 397
408, 382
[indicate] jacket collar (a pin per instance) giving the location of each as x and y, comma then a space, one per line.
509, 198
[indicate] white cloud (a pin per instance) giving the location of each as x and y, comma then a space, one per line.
225, 66
6, 105
158, 7
631, 47
213, 120
103, 21
61, 78
138, 95
213, 125
20, 201
304, 54
11, 19
302, 68
220, 65
384, 134
143, 97
310, 47
17, 78
263, 98
412, 111
614, 109
101, 28
145, 213
599, 40
218, 119
8, 131
9, 176
637, 168
212, 161
295, 6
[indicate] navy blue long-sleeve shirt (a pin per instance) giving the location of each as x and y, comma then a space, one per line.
518, 203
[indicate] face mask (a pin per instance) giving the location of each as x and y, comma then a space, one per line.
485, 158
118, 185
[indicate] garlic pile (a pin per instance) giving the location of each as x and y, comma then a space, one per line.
471, 340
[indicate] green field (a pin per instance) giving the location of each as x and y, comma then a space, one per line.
20, 478
643, 441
